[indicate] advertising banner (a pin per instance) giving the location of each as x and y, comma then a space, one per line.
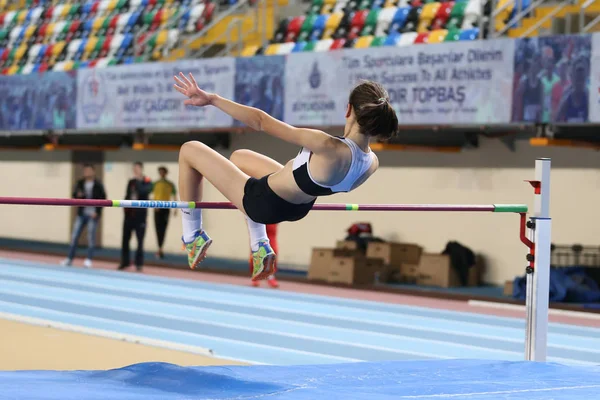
142, 95
451, 83
259, 83
38, 102
552, 79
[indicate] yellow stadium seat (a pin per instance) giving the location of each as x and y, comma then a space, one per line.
327, 8
65, 11
272, 49
330, 2
437, 36
162, 37
22, 14
332, 23
56, 51
506, 6
363, 42
249, 51
20, 51
389, 3
97, 24
12, 70
427, 15
29, 31
68, 65
90, 45
112, 5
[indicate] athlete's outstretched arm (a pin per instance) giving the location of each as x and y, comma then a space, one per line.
315, 140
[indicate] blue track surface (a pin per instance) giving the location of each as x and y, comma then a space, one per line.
448, 379
272, 327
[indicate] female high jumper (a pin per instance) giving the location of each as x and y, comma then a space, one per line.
266, 191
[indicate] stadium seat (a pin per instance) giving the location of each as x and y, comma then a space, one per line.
310, 46
384, 20
316, 6
342, 6
437, 36
299, 47
102, 62
371, 23
392, 39
412, 19
472, 14
456, 15
285, 48
504, 9
271, 49
293, 29
281, 31
357, 23
407, 39
427, 16
319, 27
364, 5
332, 24
344, 26
469, 34
323, 45
377, 4
349, 43
399, 20
453, 35
249, 51
27, 69
378, 41
422, 38
338, 44
363, 42
306, 28
442, 16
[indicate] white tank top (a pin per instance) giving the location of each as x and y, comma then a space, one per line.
361, 162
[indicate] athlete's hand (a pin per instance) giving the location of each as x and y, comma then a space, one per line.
189, 88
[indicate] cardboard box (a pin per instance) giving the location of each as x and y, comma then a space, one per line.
476, 272
354, 270
436, 270
395, 253
508, 288
347, 244
320, 264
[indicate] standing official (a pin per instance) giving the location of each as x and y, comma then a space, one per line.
164, 190
138, 188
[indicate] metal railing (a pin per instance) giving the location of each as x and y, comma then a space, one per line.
583, 27
517, 19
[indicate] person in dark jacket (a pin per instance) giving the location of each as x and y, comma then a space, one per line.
138, 188
87, 188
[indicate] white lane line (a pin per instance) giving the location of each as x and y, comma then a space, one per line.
518, 307
179, 332
107, 334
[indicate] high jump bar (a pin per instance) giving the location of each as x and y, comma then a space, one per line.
41, 201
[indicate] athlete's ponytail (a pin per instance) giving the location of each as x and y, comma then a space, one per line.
374, 113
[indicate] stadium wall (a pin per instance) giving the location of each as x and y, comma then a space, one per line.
489, 174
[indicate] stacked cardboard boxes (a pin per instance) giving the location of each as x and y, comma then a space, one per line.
390, 262
344, 264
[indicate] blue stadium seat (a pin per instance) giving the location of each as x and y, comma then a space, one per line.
469, 34
399, 19
319, 27
392, 39
299, 47
129, 60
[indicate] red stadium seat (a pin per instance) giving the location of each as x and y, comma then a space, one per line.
422, 38
357, 23
442, 16
293, 29
338, 44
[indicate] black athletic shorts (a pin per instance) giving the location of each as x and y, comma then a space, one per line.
262, 205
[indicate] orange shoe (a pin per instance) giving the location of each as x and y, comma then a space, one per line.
273, 282
255, 283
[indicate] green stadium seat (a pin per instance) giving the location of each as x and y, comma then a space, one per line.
306, 28
378, 41
453, 35
370, 23
310, 46
456, 15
